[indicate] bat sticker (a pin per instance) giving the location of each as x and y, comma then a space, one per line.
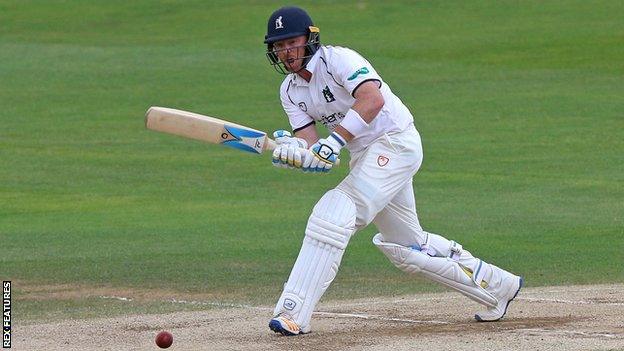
242, 139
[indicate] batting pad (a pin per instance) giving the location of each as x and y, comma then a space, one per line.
463, 277
327, 234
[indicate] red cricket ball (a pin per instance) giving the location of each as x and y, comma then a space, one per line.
164, 339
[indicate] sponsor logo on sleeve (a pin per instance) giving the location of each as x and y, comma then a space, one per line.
362, 70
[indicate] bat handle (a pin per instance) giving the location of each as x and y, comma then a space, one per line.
271, 145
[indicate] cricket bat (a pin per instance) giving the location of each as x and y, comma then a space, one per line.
208, 129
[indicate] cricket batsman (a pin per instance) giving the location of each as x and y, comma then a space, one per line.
338, 88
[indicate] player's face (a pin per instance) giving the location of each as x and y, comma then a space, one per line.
291, 52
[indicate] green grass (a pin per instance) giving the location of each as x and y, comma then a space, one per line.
520, 106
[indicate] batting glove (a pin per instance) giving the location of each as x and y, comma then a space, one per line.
325, 152
288, 153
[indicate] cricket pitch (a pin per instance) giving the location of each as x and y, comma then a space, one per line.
545, 318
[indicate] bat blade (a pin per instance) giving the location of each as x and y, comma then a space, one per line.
207, 129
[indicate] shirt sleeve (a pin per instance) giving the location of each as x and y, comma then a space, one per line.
351, 69
297, 118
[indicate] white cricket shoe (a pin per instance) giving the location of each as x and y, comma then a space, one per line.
505, 293
285, 326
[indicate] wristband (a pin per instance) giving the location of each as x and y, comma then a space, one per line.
341, 141
354, 123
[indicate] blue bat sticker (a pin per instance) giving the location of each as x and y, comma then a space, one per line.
243, 139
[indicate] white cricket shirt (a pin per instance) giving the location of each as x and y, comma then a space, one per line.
336, 73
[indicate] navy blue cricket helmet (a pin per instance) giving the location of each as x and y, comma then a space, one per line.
289, 22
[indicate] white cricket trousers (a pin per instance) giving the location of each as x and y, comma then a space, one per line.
380, 184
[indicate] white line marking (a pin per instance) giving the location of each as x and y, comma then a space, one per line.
523, 293
401, 301
572, 302
319, 313
377, 317
185, 302
116, 298
569, 332
564, 289
393, 301
216, 304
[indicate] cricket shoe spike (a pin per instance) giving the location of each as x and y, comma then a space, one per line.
505, 293
285, 326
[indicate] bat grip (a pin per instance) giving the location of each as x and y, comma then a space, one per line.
271, 145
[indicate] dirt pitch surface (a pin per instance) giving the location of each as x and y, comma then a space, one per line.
552, 318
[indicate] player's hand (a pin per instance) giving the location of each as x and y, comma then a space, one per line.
283, 137
288, 153
325, 154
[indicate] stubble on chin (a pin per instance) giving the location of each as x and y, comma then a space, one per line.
294, 66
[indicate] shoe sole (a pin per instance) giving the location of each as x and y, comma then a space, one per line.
504, 312
276, 326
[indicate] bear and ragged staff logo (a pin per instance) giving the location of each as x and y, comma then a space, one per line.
328, 95
278, 23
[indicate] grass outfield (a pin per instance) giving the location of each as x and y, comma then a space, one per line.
520, 106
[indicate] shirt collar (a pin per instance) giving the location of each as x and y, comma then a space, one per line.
295, 78
312, 63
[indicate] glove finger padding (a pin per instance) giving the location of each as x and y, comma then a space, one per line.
306, 160
313, 164
290, 156
284, 156
324, 166
275, 158
297, 157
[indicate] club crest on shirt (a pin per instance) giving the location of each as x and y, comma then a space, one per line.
303, 107
329, 96
382, 160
